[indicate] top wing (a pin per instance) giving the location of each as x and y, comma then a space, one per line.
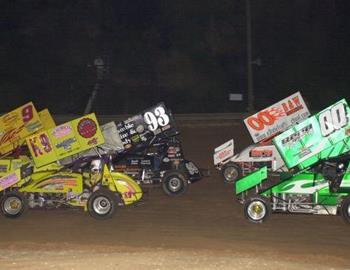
16, 125
276, 118
324, 135
140, 129
65, 140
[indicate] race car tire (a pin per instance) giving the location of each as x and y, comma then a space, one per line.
102, 204
345, 209
231, 172
13, 204
257, 209
174, 183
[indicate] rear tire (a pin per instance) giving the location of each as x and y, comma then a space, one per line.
257, 209
174, 183
345, 209
13, 204
231, 172
102, 204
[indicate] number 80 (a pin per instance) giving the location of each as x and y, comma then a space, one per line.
333, 119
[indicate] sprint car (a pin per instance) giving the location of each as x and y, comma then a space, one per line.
39, 180
317, 153
146, 147
263, 127
90, 186
161, 162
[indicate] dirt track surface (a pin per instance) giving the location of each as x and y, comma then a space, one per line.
204, 229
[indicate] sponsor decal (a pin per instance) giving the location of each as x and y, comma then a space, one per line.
297, 136
61, 131
66, 144
276, 118
223, 152
92, 142
87, 128
261, 153
32, 127
58, 183
8, 180
3, 168
130, 190
304, 152
40, 145
11, 135
292, 105
10, 118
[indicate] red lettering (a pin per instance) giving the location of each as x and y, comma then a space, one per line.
296, 101
10, 135
263, 118
293, 106
255, 123
266, 118
285, 108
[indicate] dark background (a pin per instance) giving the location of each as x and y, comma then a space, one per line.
189, 54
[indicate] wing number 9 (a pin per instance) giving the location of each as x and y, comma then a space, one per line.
27, 113
333, 119
156, 118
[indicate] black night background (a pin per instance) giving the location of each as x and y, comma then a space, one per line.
189, 54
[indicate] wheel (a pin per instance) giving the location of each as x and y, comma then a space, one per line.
102, 204
257, 209
174, 183
345, 209
231, 172
13, 204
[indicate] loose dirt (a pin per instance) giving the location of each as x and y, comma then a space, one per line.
204, 229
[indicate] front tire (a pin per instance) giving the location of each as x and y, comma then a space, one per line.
174, 183
13, 204
345, 209
102, 204
257, 209
231, 172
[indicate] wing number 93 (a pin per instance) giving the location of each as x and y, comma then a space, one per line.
156, 118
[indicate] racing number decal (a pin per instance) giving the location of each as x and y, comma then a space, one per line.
27, 113
158, 118
40, 145
333, 119
263, 118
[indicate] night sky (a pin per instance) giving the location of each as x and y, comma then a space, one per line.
189, 54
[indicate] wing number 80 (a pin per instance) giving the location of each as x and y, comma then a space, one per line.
333, 119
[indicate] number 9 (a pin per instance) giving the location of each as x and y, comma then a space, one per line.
151, 121
27, 113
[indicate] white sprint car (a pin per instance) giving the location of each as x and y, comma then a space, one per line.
234, 166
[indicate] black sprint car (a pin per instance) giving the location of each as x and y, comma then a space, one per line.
160, 162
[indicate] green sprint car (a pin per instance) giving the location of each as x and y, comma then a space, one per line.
316, 152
